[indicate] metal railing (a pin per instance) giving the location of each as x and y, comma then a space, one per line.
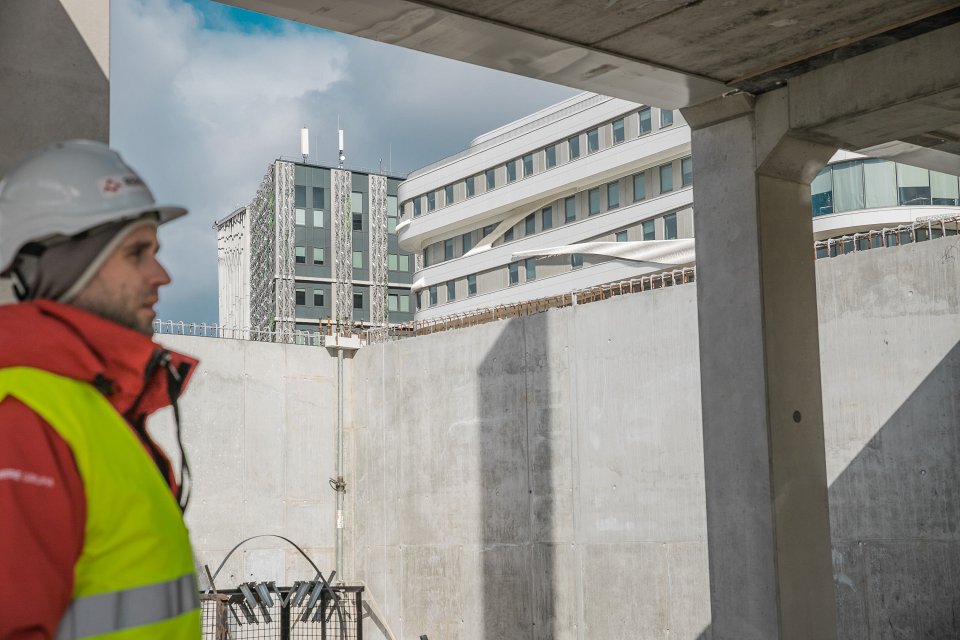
205, 330
921, 230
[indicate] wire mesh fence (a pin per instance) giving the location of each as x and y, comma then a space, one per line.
335, 614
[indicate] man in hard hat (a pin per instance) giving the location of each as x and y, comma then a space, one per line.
92, 538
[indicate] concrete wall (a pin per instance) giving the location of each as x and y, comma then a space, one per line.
543, 477
259, 426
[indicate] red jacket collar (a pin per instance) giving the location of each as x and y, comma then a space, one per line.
77, 344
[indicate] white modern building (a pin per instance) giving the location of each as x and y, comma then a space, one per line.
571, 196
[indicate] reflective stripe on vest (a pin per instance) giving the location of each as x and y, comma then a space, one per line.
109, 612
136, 555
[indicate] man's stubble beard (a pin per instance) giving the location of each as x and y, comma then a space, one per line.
112, 306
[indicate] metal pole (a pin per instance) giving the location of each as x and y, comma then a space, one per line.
340, 487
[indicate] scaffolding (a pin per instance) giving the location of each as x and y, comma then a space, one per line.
262, 251
341, 220
284, 313
378, 250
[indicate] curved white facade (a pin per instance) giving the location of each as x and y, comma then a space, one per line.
598, 169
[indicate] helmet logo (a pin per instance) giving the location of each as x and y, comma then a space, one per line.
114, 185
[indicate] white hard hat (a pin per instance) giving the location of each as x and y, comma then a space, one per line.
67, 188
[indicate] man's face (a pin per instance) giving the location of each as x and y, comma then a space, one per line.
126, 287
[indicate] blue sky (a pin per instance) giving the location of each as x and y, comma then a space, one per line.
204, 96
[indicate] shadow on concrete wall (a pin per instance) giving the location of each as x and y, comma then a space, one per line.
895, 521
515, 465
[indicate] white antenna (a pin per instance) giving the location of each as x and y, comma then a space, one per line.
305, 143
342, 157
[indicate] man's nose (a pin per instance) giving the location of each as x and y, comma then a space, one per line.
159, 275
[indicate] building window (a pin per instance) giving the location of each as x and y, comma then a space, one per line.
593, 198
391, 224
513, 273
622, 236
528, 165
392, 206
639, 187
431, 201
508, 235
358, 260
300, 297
576, 260
686, 171
666, 178
392, 262
511, 171
593, 140
404, 263
531, 269
569, 209
318, 298
318, 198
448, 249
448, 195
550, 156
358, 301
821, 193
530, 225
318, 255
467, 243
546, 218
666, 118
913, 182
487, 230
358, 221
317, 219
645, 125
649, 230
613, 195
471, 285
670, 226
491, 178
416, 207
300, 196
618, 132
404, 304
393, 302
433, 295
300, 254
300, 216
356, 202
469, 186
573, 144
426, 258
451, 290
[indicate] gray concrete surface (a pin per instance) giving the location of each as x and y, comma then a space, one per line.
259, 428
543, 477
54, 74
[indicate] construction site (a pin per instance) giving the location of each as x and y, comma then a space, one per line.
765, 446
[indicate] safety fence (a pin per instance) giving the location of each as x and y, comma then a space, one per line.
530, 307
209, 330
919, 231
265, 612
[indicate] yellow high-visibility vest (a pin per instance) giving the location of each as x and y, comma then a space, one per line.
135, 576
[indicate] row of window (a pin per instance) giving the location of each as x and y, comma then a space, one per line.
591, 141
647, 231
568, 213
396, 302
315, 217
395, 262
870, 183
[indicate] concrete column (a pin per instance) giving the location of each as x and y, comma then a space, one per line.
766, 485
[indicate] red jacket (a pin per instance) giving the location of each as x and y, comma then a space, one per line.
42, 502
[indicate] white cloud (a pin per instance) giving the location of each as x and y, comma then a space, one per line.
200, 112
